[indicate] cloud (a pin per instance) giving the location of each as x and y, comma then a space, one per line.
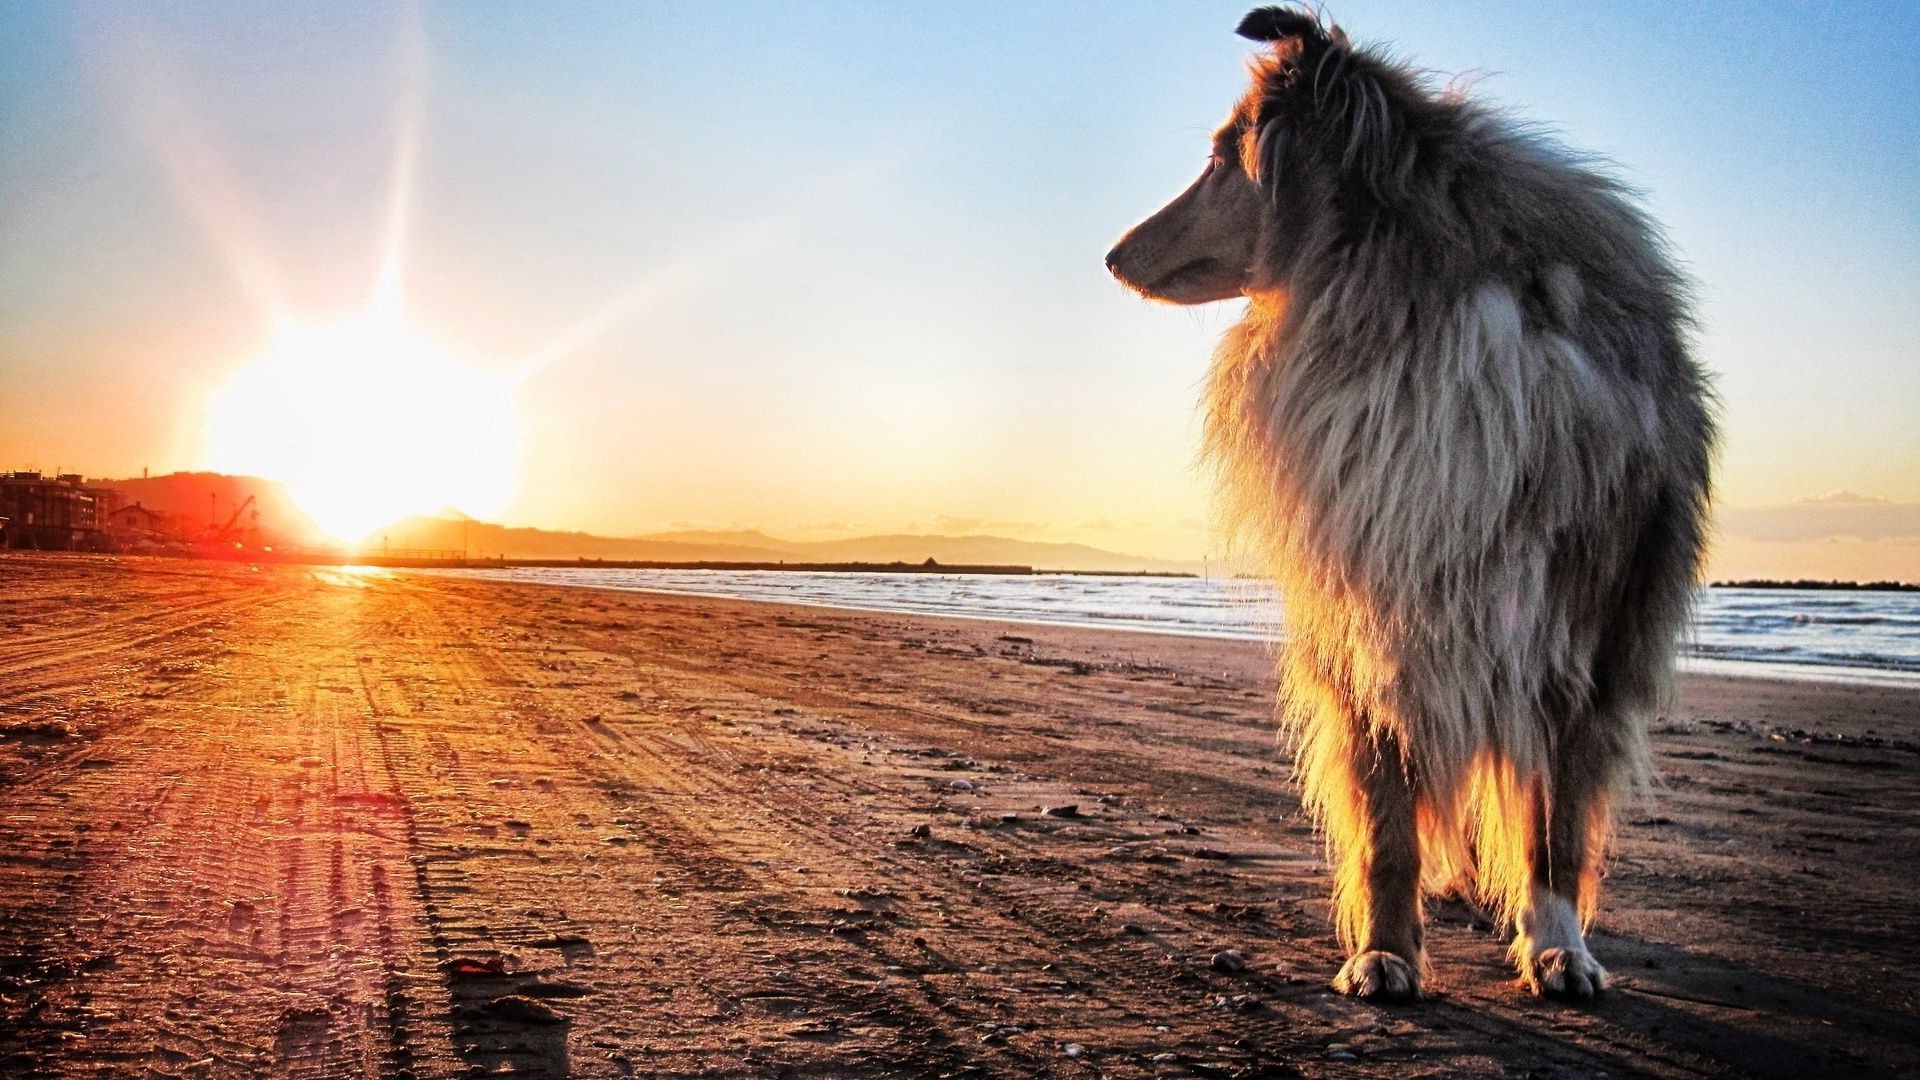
952, 525
1842, 498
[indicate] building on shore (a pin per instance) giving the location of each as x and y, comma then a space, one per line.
138, 528
54, 513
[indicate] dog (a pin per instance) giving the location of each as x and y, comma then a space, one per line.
1461, 421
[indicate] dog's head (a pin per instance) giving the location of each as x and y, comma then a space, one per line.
1313, 147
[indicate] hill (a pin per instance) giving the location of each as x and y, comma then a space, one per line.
198, 497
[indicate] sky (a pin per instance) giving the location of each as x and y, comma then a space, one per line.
835, 269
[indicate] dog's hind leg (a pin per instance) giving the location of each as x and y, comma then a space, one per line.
1549, 946
1377, 894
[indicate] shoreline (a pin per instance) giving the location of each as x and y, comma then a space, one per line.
1688, 663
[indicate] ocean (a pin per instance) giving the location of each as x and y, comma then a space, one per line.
1832, 635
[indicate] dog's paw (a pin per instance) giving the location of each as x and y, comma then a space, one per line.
1381, 975
1568, 974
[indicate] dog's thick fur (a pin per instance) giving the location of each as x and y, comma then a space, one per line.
1461, 419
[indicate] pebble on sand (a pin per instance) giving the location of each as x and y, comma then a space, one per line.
1229, 960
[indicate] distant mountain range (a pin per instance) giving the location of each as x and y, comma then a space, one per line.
200, 497
486, 539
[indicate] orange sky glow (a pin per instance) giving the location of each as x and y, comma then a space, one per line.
404, 263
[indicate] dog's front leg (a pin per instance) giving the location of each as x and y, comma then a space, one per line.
1377, 896
1550, 945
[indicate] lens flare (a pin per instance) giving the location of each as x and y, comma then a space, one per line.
367, 421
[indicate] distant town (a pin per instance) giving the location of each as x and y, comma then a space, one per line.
67, 512
201, 515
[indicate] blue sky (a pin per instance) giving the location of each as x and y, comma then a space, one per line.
865, 238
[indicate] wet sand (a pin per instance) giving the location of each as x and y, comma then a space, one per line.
301, 822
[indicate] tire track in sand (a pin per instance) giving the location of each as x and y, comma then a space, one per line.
238, 918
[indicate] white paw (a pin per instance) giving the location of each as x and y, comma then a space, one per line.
1551, 952
1379, 975
1572, 974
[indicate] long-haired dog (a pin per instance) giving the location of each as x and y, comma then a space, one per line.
1461, 419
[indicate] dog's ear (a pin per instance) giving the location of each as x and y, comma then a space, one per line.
1279, 24
1326, 80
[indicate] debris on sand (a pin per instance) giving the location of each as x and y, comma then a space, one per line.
46, 730
474, 967
1074, 1051
518, 1009
921, 831
1070, 810
961, 785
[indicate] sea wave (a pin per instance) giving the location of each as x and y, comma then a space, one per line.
1802, 632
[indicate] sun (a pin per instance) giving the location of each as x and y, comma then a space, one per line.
367, 421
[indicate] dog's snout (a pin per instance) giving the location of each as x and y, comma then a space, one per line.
1113, 260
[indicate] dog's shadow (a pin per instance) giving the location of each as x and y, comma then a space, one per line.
1668, 1007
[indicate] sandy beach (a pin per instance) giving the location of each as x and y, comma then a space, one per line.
310, 822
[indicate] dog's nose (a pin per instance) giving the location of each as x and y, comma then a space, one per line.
1113, 260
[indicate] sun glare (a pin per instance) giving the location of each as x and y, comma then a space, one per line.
367, 421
